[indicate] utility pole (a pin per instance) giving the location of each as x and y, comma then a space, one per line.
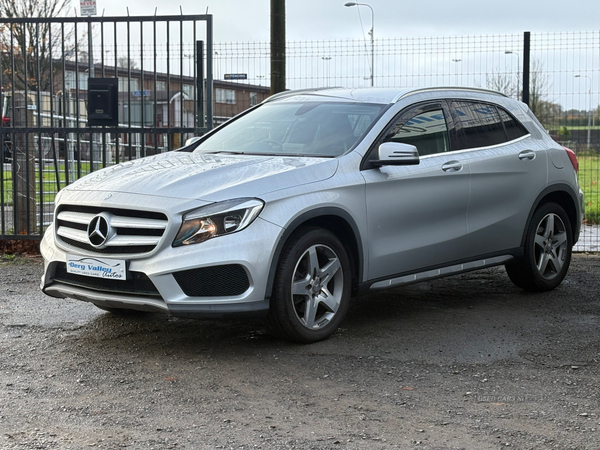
277, 46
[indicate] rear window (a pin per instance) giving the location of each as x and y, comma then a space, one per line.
484, 125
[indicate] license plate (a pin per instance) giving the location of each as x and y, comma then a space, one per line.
113, 269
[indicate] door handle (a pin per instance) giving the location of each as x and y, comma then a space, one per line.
452, 166
527, 154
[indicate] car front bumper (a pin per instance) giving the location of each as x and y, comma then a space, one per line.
224, 276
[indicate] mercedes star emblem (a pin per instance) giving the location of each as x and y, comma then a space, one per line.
99, 230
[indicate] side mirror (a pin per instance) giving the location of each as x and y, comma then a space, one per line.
191, 140
396, 154
190, 145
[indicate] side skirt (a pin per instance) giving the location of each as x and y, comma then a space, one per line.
436, 273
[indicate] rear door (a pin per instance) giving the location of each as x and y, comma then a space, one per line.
508, 171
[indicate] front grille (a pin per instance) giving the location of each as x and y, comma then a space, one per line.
137, 284
132, 231
215, 281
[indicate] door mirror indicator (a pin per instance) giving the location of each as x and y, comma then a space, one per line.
396, 154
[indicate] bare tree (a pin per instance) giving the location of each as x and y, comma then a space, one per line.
27, 48
125, 62
502, 82
539, 88
539, 91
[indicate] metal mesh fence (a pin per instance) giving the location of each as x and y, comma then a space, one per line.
564, 80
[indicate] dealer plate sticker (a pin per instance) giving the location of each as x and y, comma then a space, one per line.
115, 269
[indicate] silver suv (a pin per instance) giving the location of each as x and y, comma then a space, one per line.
293, 207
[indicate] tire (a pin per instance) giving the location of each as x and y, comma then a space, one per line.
547, 252
311, 291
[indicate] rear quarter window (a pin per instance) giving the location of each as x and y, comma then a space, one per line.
514, 129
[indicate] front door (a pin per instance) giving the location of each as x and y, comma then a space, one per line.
417, 214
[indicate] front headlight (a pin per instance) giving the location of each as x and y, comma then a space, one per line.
217, 219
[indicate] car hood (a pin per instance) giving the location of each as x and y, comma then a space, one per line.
209, 177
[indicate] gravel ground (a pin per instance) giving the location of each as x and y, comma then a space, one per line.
466, 362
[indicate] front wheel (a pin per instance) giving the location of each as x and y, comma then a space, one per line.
311, 293
547, 253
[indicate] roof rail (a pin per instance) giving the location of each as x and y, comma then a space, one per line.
294, 92
448, 88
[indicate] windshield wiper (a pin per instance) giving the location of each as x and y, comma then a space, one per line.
222, 152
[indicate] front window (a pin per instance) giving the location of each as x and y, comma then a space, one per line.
295, 128
426, 130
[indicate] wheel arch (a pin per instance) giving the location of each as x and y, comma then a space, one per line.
335, 220
564, 196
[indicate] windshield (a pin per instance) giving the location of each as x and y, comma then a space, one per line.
295, 128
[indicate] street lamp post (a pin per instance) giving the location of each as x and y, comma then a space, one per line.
456, 60
189, 57
372, 33
509, 52
589, 126
327, 59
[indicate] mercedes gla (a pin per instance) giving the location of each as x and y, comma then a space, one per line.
312, 197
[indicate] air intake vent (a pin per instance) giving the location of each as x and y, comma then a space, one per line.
137, 283
217, 281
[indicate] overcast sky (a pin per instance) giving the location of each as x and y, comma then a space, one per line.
248, 20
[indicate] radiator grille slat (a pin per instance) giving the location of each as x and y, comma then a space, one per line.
135, 232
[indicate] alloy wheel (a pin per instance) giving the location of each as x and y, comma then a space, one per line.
317, 286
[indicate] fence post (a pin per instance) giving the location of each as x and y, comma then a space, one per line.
526, 59
24, 169
277, 46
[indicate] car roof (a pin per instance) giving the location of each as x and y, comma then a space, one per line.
371, 94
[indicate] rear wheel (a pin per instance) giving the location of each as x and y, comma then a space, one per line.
312, 287
547, 253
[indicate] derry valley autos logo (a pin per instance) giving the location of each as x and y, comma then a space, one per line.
97, 268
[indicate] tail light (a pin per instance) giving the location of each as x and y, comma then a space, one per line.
572, 158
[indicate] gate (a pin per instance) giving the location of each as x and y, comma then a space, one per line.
83, 93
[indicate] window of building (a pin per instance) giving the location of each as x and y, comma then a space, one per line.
188, 89
133, 112
161, 85
128, 84
225, 96
253, 98
83, 81
70, 79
